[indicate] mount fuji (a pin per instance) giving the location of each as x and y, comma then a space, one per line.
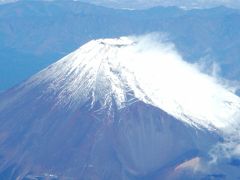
125, 108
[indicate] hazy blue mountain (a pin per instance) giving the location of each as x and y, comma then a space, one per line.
143, 4
127, 108
92, 115
33, 34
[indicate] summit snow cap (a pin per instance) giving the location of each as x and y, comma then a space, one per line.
141, 68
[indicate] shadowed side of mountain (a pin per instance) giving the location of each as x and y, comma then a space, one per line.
94, 141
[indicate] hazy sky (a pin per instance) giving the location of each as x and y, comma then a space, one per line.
6, 1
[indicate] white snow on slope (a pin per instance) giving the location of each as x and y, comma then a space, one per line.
153, 71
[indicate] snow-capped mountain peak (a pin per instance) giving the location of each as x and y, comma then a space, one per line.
128, 107
130, 69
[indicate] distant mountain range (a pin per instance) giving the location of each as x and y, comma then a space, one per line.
143, 4
185, 4
34, 34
